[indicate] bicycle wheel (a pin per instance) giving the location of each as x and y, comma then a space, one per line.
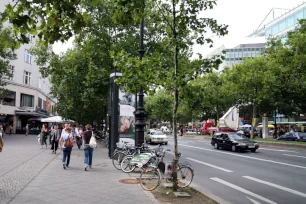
126, 165
117, 159
150, 178
184, 176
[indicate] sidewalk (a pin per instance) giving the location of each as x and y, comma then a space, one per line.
101, 184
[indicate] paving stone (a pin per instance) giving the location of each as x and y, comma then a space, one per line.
38, 177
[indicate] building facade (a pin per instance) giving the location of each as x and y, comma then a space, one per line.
280, 26
237, 54
28, 97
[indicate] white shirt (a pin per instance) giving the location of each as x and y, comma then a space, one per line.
65, 136
63, 131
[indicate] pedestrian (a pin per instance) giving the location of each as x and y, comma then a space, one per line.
10, 129
27, 130
88, 151
2, 132
66, 144
182, 131
43, 136
1, 141
55, 136
78, 136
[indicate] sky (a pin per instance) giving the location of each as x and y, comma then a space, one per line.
242, 16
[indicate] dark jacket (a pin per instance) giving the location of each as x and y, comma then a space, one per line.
87, 136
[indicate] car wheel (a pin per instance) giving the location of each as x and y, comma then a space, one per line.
150, 141
166, 143
234, 148
216, 146
253, 150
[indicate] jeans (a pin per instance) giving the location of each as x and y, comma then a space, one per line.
88, 155
66, 154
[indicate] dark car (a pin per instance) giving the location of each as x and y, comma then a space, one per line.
233, 141
288, 137
301, 136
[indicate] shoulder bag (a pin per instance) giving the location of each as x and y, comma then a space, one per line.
68, 142
92, 142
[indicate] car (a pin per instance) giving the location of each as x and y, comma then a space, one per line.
301, 136
233, 141
288, 137
156, 136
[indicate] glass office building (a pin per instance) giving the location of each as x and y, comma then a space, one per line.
237, 54
280, 26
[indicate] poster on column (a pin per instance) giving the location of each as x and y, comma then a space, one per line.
127, 119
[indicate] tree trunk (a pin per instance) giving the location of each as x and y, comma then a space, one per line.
175, 160
254, 116
176, 101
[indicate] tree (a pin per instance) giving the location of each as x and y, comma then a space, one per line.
180, 26
7, 48
159, 106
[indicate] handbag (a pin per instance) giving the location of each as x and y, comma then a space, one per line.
68, 142
92, 142
1, 143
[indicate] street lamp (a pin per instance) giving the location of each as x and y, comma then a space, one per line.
140, 113
114, 112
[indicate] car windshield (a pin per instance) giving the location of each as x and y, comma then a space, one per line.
237, 137
302, 134
157, 133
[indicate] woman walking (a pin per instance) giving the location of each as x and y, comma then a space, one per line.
55, 136
88, 151
66, 144
43, 136
78, 136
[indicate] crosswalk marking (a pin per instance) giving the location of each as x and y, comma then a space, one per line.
243, 190
210, 165
276, 186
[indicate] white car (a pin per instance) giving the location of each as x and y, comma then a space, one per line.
156, 136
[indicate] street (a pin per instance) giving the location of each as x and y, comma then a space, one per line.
271, 175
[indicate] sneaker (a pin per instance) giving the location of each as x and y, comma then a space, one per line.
64, 166
85, 168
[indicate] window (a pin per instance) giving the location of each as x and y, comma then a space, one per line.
39, 103
268, 32
282, 25
290, 21
44, 107
299, 15
27, 57
26, 100
27, 78
30, 37
275, 29
10, 99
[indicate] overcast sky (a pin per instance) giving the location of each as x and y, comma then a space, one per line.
242, 16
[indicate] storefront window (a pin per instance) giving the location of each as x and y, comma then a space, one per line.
27, 100
10, 99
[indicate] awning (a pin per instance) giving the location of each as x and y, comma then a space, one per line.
30, 114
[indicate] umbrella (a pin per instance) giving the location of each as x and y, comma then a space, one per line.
56, 119
246, 126
269, 126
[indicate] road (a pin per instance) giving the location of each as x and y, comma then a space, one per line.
271, 175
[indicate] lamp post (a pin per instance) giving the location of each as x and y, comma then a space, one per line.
140, 113
114, 112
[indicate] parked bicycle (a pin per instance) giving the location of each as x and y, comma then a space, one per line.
102, 138
130, 162
155, 170
121, 152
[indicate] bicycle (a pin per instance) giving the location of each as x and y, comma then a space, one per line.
120, 153
154, 170
102, 138
130, 162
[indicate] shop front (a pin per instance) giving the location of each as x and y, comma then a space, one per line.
30, 118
